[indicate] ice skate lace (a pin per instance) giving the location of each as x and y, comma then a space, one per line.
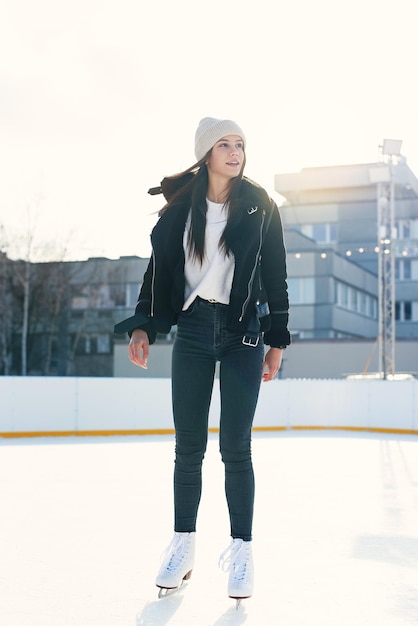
175, 552
236, 556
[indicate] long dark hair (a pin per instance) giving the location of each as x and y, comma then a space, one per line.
192, 185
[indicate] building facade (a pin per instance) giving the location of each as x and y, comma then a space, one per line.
336, 210
330, 296
58, 318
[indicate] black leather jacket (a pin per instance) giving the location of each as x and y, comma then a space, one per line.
254, 236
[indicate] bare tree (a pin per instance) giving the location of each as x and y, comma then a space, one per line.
5, 310
38, 293
23, 273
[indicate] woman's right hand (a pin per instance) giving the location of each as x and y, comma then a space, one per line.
138, 348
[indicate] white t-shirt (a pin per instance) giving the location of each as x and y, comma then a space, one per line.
213, 279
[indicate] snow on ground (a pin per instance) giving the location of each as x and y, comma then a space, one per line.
84, 521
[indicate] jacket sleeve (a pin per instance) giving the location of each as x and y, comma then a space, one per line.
274, 277
142, 316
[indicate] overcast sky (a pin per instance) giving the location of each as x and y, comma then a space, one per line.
100, 99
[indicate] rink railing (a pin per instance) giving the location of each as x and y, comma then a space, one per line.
42, 406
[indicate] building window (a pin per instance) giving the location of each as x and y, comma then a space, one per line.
133, 291
407, 228
321, 233
352, 299
80, 299
355, 299
406, 311
103, 344
117, 295
403, 269
107, 296
94, 344
87, 345
99, 296
403, 229
363, 303
301, 290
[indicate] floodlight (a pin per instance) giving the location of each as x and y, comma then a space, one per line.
392, 147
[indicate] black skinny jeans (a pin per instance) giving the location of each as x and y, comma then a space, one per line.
202, 339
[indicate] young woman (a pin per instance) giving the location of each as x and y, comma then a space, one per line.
218, 271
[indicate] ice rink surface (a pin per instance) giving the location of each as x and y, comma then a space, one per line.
84, 521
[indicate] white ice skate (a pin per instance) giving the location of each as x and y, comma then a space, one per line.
237, 559
177, 564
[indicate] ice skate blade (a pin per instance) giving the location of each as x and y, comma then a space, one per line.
239, 600
164, 592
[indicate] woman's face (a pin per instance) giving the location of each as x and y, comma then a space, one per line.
227, 158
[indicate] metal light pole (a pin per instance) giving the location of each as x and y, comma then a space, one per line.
386, 260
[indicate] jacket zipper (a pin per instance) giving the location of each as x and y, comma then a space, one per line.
152, 283
252, 276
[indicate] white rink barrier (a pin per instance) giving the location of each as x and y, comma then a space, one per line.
50, 406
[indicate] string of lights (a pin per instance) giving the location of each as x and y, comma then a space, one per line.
411, 250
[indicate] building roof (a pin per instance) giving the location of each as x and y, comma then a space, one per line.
344, 182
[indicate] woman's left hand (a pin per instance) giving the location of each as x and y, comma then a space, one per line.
272, 362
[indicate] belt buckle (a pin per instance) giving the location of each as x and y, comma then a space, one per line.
250, 341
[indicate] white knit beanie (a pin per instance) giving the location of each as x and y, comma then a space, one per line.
210, 130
